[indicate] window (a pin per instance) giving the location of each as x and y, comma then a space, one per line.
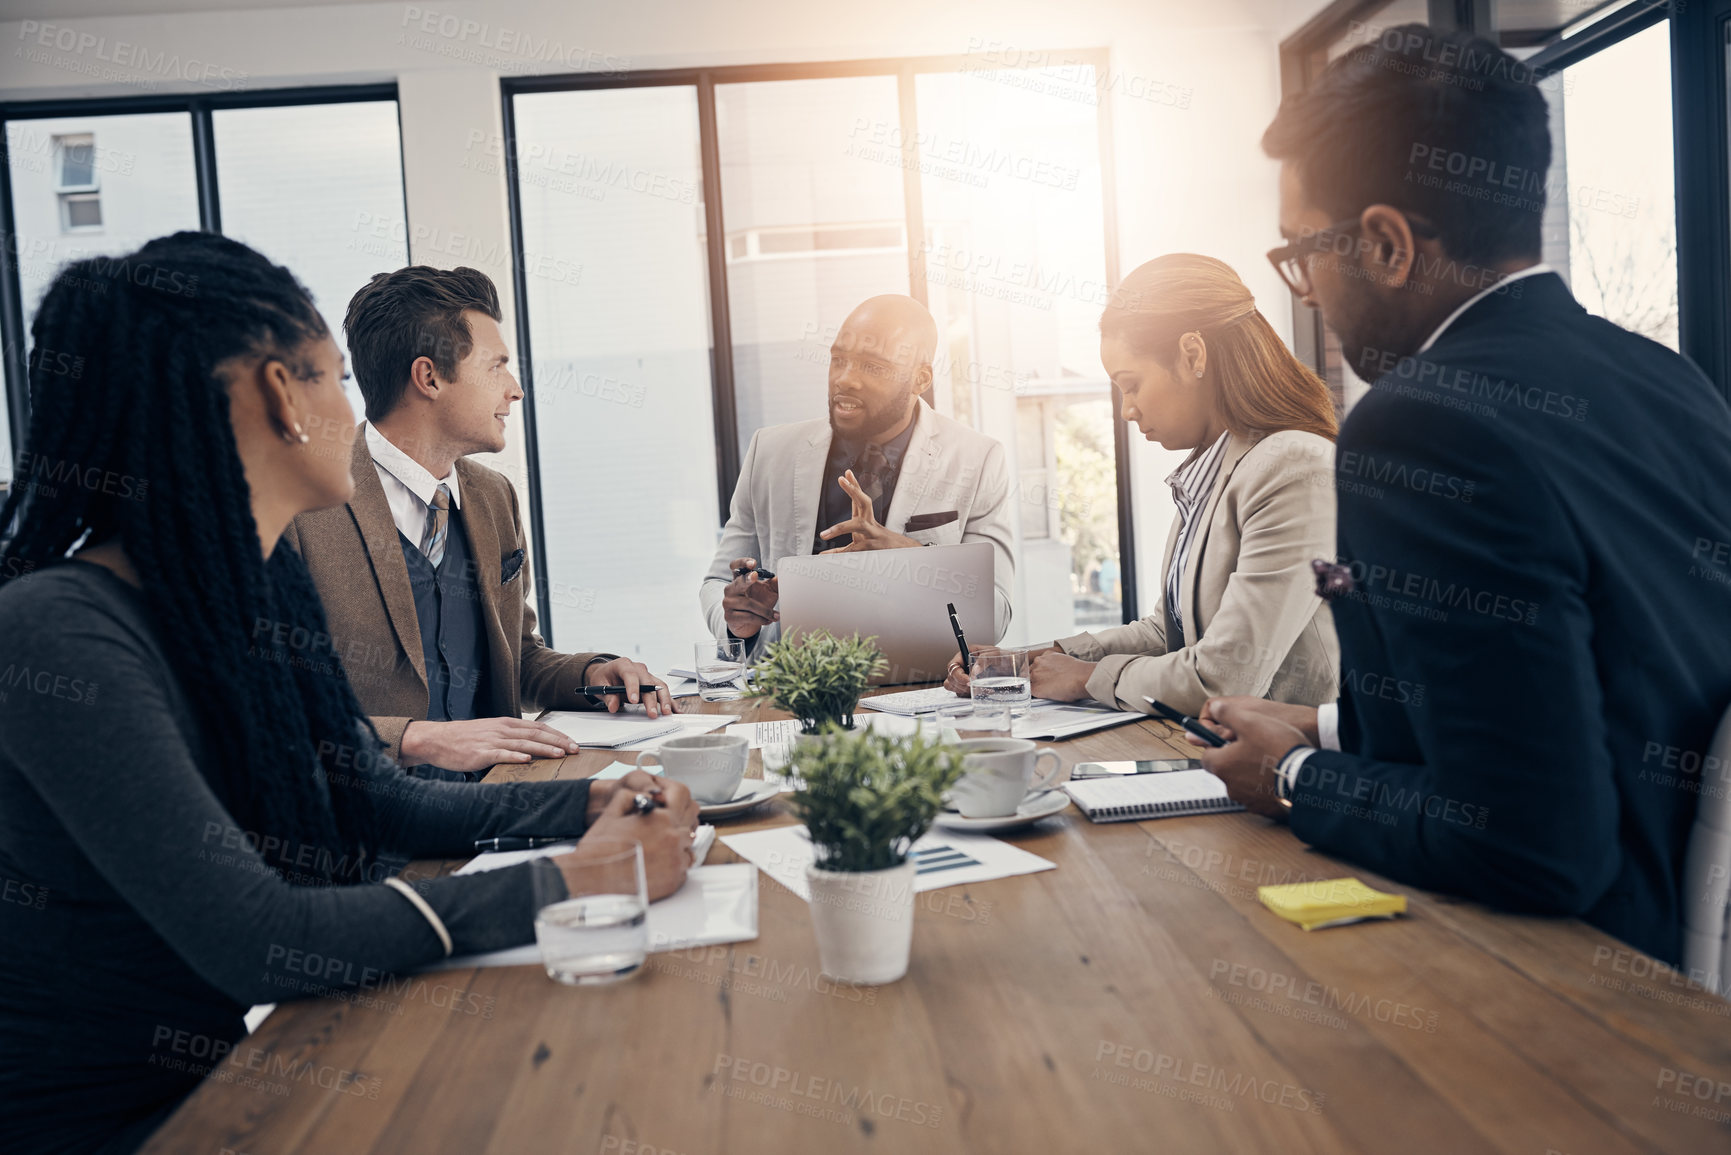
315, 186
144, 168
815, 225
80, 205
318, 188
614, 264
1611, 214
77, 162
144, 165
1015, 272
1610, 223
828, 189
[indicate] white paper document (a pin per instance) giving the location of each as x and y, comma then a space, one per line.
785, 731
912, 701
688, 724
629, 728
1059, 720
763, 734
1043, 719
617, 770
717, 904
944, 858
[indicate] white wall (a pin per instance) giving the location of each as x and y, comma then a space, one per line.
1193, 86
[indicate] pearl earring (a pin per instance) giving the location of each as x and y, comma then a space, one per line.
1199, 374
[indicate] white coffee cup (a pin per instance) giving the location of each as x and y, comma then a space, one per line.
711, 766
1000, 774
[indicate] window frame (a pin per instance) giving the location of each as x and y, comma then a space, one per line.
61, 146
723, 400
200, 108
67, 200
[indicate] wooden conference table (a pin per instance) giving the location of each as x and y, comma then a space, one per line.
1137, 998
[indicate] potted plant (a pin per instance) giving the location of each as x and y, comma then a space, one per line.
817, 677
867, 798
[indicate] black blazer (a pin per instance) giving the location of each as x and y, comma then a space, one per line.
1538, 647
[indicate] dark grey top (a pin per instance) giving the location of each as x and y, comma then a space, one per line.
138, 921
835, 506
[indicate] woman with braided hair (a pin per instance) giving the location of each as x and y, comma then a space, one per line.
193, 806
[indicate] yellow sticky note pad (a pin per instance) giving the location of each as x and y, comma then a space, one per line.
1331, 902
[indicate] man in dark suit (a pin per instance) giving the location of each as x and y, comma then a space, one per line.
1532, 593
422, 572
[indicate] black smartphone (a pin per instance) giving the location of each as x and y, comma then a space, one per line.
1142, 766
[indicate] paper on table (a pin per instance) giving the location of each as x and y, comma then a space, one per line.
946, 858
617, 770
1059, 720
717, 904
902, 726
627, 728
764, 734
784, 731
688, 724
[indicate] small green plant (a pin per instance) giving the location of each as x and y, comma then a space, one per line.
869, 797
817, 677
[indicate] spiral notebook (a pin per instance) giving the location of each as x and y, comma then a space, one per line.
1137, 796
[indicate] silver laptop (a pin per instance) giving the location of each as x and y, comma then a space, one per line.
897, 595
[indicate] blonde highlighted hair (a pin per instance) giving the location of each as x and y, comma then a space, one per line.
1263, 388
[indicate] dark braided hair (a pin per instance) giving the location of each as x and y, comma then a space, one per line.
123, 385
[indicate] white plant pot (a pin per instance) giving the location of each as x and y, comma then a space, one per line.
864, 922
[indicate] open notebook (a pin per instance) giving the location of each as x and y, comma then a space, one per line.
1137, 796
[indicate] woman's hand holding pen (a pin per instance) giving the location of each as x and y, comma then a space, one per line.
665, 830
956, 679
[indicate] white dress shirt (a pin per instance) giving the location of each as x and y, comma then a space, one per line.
1328, 715
409, 487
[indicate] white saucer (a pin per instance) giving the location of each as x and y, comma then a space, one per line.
752, 792
1031, 810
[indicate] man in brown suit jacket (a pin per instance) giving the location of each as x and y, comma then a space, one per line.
422, 573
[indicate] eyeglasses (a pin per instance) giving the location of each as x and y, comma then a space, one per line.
1292, 261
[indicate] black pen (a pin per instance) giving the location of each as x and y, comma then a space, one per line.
762, 573
483, 844
602, 691
961, 640
1186, 721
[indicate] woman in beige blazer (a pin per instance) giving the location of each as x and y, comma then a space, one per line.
1199, 368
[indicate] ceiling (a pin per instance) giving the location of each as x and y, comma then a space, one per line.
1280, 16
73, 9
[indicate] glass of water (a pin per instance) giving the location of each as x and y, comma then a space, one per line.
720, 665
598, 932
1000, 679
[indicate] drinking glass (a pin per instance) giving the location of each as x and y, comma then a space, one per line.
720, 665
1000, 678
598, 932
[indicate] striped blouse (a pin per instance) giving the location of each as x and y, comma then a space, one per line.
1191, 484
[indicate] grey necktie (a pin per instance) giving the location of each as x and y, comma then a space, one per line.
438, 521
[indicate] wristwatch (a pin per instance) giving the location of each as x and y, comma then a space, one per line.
1283, 780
